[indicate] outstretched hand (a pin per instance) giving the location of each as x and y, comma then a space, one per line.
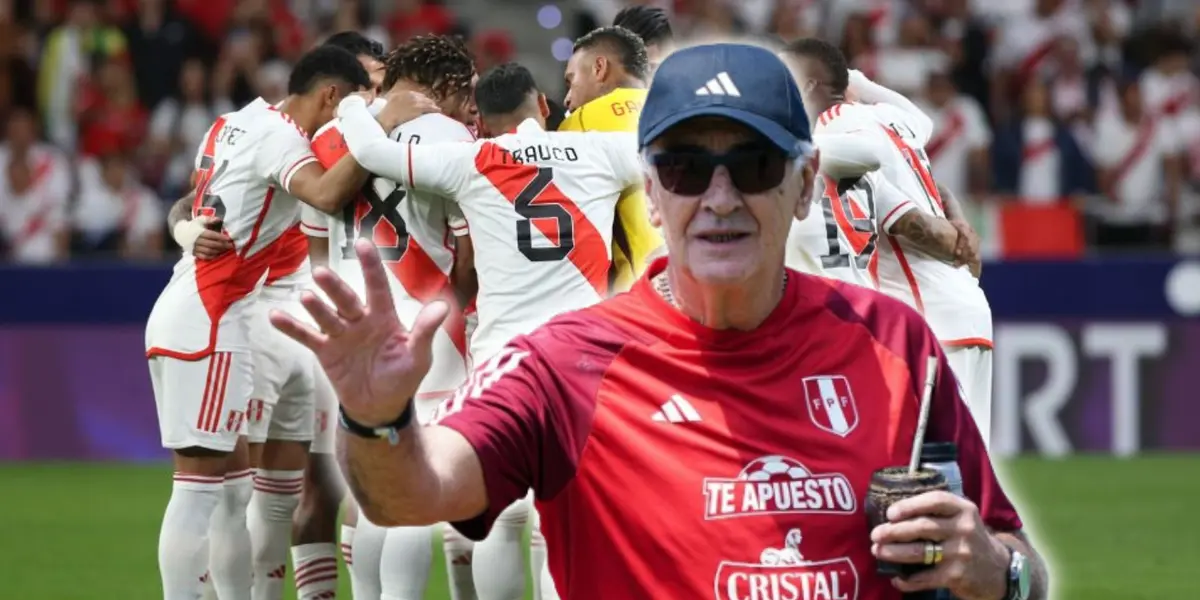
373, 361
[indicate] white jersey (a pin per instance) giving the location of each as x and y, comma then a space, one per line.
540, 204
245, 168
949, 297
414, 232
844, 226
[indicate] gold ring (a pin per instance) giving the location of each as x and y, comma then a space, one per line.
933, 553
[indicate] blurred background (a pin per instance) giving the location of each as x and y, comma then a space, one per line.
1071, 128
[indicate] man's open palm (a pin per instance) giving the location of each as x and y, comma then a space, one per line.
374, 363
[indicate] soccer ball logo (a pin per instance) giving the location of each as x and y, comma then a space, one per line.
773, 468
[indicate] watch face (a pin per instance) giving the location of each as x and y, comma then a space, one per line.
1021, 576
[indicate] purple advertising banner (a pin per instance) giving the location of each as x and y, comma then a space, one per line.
80, 392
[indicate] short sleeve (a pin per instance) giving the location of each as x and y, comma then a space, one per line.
455, 220
890, 203
849, 154
328, 145
528, 412
313, 222
283, 153
622, 151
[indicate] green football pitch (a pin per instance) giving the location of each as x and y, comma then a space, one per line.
1114, 529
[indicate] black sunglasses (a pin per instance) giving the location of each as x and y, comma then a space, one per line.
689, 171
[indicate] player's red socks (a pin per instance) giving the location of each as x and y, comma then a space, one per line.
183, 539
269, 519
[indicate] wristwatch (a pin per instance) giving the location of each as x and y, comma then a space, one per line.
1018, 577
389, 432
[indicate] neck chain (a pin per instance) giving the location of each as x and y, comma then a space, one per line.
662, 285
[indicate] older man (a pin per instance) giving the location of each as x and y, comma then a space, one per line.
681, 438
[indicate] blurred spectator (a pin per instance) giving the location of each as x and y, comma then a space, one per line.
961, 137
789, 21
159, 41
907, 66
178, 126
18, 82
1035, 156
235, 75
1025, 48
492, 48
415, 17
1171, 91
70, 52
35, 182
965, 39
1138, 170
111, 118
116, 214
356, 15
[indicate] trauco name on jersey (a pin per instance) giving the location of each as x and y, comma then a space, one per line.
785, 574
539, 153
775, 485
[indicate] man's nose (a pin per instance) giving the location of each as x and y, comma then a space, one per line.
721, 198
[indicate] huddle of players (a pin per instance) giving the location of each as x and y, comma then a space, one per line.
543, 239
223, 376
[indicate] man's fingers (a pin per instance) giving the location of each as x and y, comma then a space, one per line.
427, 323
929, 579
908, 553
323, 314
379, 291
911, 530
309, 337
347, 303
929, 504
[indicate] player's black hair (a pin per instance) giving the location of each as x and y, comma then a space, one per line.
327, 62
356, 43
648, 22
440, 62
625, 45
828, 55
504, 89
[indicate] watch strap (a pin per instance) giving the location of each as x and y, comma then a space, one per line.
389, 431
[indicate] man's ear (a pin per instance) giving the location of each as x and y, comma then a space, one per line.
543, 106
601, 68
809, 175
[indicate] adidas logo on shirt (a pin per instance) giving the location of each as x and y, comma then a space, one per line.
677, 410
721, 85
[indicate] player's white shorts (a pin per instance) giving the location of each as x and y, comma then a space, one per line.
325, 416
972, 365
281, 405
202, 402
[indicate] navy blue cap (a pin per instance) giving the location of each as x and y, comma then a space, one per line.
744, 83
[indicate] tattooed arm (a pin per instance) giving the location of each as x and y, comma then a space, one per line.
967, 251
932, 235
181, 210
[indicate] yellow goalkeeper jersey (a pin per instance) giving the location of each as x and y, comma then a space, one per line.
634, 239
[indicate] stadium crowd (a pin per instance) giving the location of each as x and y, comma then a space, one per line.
1043, 102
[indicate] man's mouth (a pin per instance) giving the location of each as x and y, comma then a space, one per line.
723, 238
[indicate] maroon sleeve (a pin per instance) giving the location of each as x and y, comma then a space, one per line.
906, 334
528, 412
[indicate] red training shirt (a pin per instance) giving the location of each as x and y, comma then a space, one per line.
670, 460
